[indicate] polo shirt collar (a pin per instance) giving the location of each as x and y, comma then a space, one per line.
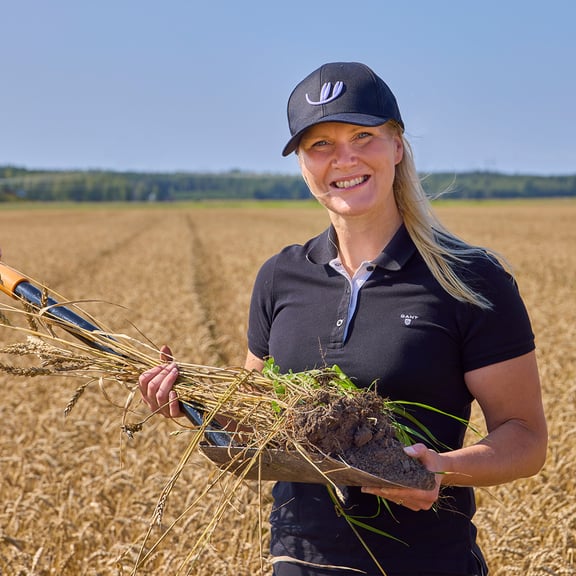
396, 253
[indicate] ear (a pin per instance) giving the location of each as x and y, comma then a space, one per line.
399, 150
302, 169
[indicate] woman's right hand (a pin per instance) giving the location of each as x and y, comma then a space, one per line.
156, 386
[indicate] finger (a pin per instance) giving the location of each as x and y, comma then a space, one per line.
166, 380
430, 459
145, 379
398, 497
158, 383
175, 410
388, 493
166, 354
412, 498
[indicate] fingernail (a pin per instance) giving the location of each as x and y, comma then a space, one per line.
410, 451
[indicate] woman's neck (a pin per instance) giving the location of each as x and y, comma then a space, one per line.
361, 240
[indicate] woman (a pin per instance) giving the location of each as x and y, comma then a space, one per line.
393, 298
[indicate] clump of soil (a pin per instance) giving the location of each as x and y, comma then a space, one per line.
357, 430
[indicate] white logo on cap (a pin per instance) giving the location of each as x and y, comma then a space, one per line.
327, 94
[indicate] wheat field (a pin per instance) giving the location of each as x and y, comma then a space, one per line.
77, 497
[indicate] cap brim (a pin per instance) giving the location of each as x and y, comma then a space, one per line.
350, 118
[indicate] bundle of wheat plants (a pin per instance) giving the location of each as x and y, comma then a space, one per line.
259, 404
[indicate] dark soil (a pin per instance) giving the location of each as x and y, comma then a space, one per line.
357, 430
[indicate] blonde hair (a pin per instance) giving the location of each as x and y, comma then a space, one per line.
440, 249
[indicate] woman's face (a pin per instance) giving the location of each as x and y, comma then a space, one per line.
349, 168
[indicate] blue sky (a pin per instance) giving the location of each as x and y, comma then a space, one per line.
202, 85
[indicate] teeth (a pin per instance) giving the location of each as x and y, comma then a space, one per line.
349, 183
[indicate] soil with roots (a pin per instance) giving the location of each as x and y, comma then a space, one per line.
357, 430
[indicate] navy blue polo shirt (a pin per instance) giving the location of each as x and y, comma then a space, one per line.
415, 342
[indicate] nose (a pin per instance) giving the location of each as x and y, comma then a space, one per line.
344, 155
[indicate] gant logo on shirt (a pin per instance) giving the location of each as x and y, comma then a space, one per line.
327, 94
408, 318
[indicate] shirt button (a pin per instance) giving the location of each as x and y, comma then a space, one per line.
369, 268
339, 322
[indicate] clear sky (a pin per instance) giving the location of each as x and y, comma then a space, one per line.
202, 85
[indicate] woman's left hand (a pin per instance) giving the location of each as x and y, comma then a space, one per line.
412, 498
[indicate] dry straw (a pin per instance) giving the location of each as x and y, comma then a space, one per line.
260, 404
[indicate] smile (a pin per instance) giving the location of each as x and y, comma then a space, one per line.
343, 184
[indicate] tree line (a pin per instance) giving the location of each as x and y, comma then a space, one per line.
21, 184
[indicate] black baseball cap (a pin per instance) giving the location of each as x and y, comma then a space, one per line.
340, 92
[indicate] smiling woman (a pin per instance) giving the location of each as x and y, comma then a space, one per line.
343, 298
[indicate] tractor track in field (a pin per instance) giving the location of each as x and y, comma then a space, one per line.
120, 240
207, 281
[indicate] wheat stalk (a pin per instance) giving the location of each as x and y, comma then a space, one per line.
255, 400
261, 403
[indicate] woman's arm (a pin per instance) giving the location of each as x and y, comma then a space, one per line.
515, 447
253, 362
510, 398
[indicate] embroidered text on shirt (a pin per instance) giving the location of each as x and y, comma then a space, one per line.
408, 318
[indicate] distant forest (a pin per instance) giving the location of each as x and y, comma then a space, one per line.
24, 185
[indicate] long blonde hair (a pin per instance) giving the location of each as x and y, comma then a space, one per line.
427, 232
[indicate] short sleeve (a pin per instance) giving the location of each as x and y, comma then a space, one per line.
261, 310
502, 332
